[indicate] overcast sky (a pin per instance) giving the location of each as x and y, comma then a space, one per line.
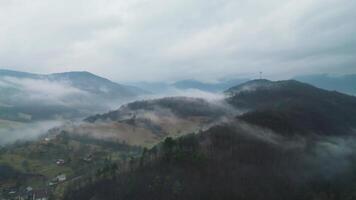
131, 40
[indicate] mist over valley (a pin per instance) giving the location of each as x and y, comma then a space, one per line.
177, 100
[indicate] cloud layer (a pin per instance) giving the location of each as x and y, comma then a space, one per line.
44, 91
175, 39
24, 131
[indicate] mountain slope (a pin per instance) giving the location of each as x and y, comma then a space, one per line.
179, 106
295, 106
230, 161
91, 83
147, 122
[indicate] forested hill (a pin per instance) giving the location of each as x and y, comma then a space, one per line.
178, 106
292, 106
265, 154
229, 161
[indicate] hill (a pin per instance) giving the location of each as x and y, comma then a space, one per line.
292, 106
147, 122
230, 161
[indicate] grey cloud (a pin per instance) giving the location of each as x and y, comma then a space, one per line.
176, 39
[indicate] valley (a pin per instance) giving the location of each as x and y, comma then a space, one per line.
177, 100
260, 126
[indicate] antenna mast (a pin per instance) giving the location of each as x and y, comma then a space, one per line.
260, 75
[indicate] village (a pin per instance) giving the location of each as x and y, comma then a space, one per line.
33, 193
13, 192
40, 193
47, 166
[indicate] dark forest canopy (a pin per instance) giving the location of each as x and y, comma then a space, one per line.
294, 141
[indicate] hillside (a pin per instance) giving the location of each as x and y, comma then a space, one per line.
147, 122
285, 146
38, 163
292, 106
231, 161
180, 106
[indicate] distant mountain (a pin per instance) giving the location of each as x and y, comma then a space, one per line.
345, 83
167, 88
209, 87
292, 106
82, 80
153, 87
26, 96
18, 74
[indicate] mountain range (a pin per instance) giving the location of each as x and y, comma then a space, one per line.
190, 84
259, 140
343, 83
26, 96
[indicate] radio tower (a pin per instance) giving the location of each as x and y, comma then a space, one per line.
260, 75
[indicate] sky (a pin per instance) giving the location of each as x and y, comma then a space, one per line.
165, 40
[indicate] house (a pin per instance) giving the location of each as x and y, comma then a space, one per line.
88, 158
52, 183
60, 162
40, 194
29, 189
61, 178
46, 140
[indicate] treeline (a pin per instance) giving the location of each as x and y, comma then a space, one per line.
225, 162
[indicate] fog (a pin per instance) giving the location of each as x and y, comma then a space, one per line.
45, 99
76, 104
27, 91
316, 157
15, 131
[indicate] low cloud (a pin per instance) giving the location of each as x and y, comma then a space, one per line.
194, 93
305, 158
15, 131
45, 91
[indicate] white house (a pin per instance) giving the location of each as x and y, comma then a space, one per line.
61, 178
